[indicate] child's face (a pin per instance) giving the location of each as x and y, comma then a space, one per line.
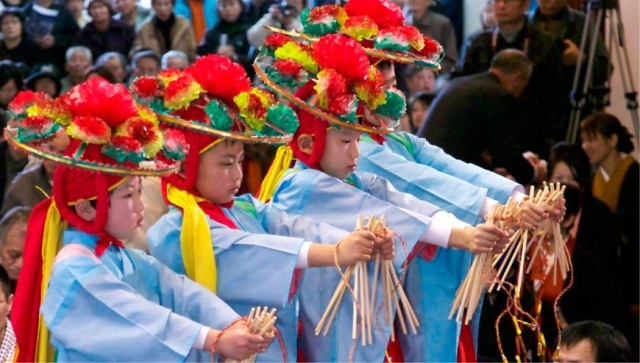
229, 10
220, 172
5, 306
341, 152
418, 112
126, 209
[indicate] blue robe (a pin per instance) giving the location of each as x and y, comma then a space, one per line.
256, 262
317, 195
416, 167
125, 306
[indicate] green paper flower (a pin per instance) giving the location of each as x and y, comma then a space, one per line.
283, 117
220, 119
395, 107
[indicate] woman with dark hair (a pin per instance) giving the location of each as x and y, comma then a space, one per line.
101, 71
166, 31
105, 34
229, 36
10, 83
608, 145
15, 45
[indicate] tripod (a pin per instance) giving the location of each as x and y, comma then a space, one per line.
599, 96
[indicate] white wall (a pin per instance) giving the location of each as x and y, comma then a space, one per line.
630, 14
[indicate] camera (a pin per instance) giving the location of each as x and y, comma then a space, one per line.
287, 9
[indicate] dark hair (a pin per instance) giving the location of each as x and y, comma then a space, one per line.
574, 157
17, 12
12, 217
424, 97
144, 54
606, 125
609, 345
9, 71
510, 61
103, 72
5, 282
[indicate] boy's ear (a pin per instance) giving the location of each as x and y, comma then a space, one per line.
305, 143
85, 210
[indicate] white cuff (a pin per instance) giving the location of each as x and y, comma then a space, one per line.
519, 196
200, 338
303, 255
439, 229
487, 207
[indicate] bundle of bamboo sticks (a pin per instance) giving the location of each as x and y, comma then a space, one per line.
364, 296
262, 322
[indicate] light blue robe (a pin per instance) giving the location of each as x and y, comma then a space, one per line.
415, 166
317, 195
256, 262
126, 306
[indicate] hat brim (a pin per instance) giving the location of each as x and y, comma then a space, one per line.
246, 138
143, 169
399, 57
314, 110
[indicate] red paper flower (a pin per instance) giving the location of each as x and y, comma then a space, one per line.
276, 40
126, 143
342, 54
98, 98
89, 129
219, 76
36, 123
415, 38
287, 67
333, 92
145, 87
384, 12
431, 47
24, 99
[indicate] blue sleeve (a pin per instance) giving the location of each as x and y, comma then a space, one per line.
94, 316
499, 187
323, 198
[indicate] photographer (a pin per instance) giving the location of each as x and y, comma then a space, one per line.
282, 14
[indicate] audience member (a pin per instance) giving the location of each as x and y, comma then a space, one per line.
229, 36
10, 84
8, 344
132, 13
13, 227
608, 145
474, 116
174, 59
145, 63
284, 15
488, 16
105, 34
419, 79
12, 161
255, 9
542, 99
44, 78
436, 26
13, 3
557, 19
15, 45
166, 31
33, 185
593, 341
418, 109
116, 63
52, 27
77, 64
76, 8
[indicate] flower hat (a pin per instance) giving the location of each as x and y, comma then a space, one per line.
344, 81
214, 96
109, 131
378, 25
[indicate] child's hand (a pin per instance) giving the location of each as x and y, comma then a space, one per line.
238, 343
532, 215
486, 238
557, 210
384, 244
355, 247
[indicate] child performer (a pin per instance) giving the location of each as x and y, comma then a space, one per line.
346, 78
100, 301
256, 248
414, 166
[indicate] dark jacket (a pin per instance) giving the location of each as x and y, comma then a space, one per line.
27, 52
236, 35
542, 99
118, 38
474, 115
